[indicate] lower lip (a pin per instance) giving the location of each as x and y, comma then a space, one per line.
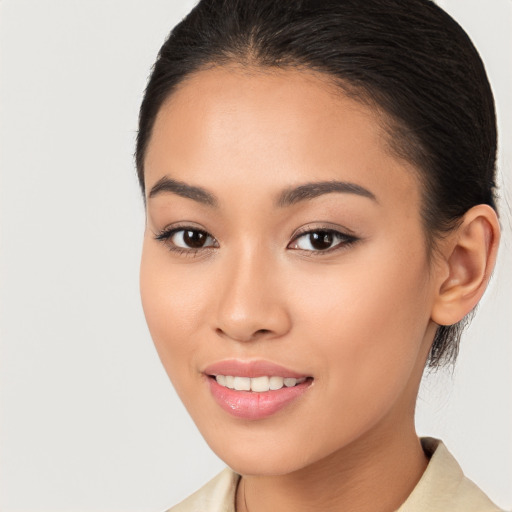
251, 405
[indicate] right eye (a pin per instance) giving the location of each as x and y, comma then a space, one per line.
186, 239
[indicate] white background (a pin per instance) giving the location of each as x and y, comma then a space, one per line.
89, 421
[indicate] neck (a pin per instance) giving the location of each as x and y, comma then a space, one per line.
375, 474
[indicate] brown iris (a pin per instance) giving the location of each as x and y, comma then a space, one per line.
321, 239
195, 239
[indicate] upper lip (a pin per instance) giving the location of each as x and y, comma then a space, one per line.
252, 368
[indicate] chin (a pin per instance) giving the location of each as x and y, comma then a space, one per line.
258, 465
266, 458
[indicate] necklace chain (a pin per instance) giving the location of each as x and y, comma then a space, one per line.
244, 498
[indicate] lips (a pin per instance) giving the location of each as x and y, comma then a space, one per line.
257, 368
254, 389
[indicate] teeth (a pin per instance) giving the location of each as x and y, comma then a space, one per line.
260, 384
242, 383
257, 384
276, 382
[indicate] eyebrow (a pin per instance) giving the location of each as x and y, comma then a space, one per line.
311, 190
182, 189
287, 197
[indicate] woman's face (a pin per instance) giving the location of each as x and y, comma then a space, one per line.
284, 240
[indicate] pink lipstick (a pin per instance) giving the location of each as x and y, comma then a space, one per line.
254, 389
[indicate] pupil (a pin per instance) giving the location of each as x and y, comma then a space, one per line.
321, 240
194, 239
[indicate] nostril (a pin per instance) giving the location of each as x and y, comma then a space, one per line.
249, 337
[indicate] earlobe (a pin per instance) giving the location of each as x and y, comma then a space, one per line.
469, 256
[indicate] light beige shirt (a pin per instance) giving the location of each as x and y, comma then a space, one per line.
442, 488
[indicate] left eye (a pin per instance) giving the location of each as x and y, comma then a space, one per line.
321, 240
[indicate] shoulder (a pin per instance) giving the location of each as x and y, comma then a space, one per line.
444, 487
218, 495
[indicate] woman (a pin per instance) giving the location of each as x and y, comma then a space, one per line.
319, 180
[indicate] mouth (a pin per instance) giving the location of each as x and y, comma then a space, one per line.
254, 390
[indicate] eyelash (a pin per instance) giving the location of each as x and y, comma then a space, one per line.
346, 240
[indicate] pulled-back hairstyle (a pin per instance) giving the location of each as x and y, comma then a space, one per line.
408, 59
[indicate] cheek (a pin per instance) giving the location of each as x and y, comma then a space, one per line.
368, 322
171, 304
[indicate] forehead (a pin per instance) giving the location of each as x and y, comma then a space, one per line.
258, 128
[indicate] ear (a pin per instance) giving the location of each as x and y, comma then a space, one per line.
466, 264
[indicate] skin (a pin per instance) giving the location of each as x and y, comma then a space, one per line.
359, 320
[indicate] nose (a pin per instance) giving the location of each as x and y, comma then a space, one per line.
251, 305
